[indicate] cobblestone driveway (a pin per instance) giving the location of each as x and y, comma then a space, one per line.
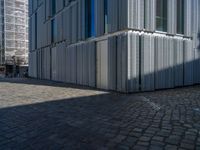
46, 115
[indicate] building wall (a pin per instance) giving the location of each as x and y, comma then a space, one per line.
14, 32
126, 53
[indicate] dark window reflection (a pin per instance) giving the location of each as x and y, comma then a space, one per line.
161, 15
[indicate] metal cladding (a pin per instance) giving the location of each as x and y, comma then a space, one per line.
125, 53
136, 14
189, 56
172, 16
150, 15
178, 62
147, 62
99, 17
112, 63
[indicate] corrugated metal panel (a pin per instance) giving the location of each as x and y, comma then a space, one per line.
34, 5
48, 32
85, 65
81, 20
67, 29
147, 62
196, 66
112, 63
67, 65
47, 9
59, 26
150, 15
122, 14
188, 62
178, 62
63, 64
39, 31
169, 62
53, 64
159, 64
102, 64
73, 65
172, 13
133, 61
80, 64
195, 22
164, 62
113, 14
121, 69
92, 63
59, 61
32, 65
128, 62
33, 32
48, 63
99, 17
74, 23
136, 14
188, 17
39, 64
59, 5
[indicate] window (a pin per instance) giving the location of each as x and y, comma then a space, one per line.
90, 18
53, 7
161, 15
105, 16
180, 16
53, 31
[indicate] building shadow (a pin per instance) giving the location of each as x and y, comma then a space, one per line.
75, 123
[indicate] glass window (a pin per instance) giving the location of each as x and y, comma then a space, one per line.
53, 7
180, 16
53, 30
90, 18
105, 16
161, 15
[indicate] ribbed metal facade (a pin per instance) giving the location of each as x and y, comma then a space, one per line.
125, 54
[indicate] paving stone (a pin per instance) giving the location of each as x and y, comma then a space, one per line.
173, 139
50, 115
139, 147
156, 148
158, 138
187, 146
171, 147
143, 143
145, 138
122, 147
157, 143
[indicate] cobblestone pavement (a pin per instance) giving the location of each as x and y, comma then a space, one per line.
47, 115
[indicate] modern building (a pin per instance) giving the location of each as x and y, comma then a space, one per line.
13, 35
119, 45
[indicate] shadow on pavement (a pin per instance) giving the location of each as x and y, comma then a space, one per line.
76, 123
